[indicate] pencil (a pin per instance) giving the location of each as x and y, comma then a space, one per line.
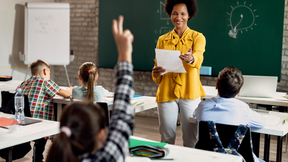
4, 127
161, 159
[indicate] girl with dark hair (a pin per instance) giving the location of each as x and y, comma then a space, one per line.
180, 92
88, 76
83, 132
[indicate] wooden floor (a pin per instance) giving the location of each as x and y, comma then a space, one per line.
148, 128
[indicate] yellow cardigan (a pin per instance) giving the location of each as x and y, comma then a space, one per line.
173, 86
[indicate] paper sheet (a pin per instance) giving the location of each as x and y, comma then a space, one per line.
272, 120
170, 61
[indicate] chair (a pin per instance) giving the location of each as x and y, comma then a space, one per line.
225, 133
104, 105
7, 99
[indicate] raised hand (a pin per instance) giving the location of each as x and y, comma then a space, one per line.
123, 40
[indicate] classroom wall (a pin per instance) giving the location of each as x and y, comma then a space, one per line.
12, 37
84, 42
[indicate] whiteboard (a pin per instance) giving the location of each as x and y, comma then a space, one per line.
47, 33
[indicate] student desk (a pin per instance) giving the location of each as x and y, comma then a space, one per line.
186, 154
21, 134
140, 103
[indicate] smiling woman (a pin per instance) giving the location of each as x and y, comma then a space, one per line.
180, 92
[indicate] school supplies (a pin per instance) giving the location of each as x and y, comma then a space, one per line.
5, 78
149, 151
284, 121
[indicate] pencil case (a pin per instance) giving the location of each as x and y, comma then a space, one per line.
149, 151
5, 78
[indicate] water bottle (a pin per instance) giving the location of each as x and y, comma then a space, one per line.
19, 107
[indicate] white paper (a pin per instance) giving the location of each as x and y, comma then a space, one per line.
170, 61
272, 120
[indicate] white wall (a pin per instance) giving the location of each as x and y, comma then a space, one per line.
12, 37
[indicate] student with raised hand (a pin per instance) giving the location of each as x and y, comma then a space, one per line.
88, 76
224, 108
83, 133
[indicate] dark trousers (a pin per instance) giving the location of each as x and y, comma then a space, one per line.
39, 147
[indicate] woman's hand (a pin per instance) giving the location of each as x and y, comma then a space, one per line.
157, 70
187, 56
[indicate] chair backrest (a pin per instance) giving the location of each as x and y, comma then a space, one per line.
8, 103
225, 132
104, 105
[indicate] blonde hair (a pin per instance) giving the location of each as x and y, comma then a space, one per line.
37, 67
88, 72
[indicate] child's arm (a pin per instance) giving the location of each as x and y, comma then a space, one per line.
122, 120
66, 93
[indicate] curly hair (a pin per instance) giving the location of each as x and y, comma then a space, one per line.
230, 81
190, 4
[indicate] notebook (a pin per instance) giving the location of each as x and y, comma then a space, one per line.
259, 86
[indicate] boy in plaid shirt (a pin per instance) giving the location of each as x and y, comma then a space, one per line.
40, 91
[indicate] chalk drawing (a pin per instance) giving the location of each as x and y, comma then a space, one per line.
237, 15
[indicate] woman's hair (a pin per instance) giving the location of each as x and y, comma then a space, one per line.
88, 72
85, 120
190, 4
230, 81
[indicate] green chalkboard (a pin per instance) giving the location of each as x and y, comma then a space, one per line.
246, 34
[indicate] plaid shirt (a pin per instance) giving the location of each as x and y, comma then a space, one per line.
122, 120
40, 93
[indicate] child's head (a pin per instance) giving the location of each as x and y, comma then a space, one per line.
230, 81
83, 130
41, 68
88, 75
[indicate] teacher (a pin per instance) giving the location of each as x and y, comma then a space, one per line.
180, 92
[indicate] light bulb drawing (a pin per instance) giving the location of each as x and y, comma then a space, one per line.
237, 15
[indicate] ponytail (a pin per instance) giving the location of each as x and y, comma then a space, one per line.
88, 72
90, 86
61, 150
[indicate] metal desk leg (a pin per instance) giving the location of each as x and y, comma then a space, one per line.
9, 157
59, 111
286, 143
279, 148
256, 143
266, 147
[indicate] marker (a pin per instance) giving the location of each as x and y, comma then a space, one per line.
134, 103
284, 121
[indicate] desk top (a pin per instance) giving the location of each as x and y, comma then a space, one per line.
279, 129
278, 100
143, 102
20, 134
185, 154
